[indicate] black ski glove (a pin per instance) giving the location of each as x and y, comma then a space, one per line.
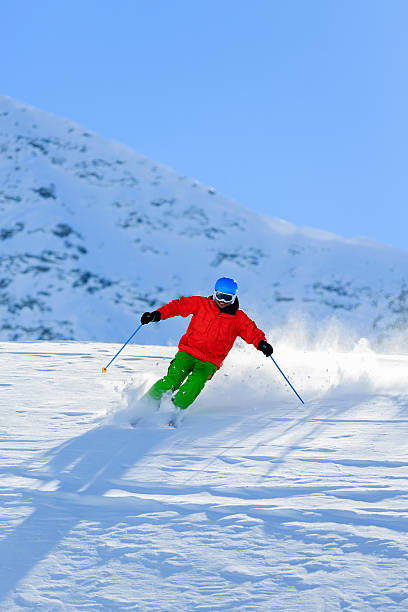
147, 317
265, 348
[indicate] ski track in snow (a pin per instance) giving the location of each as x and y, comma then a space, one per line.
254, 503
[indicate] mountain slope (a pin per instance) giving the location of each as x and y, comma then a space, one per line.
92, 234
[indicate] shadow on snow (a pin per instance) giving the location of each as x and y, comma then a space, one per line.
84, 467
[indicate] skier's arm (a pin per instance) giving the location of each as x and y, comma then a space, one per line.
183, 307
249, 332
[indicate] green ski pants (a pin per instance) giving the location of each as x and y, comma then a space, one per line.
184, 366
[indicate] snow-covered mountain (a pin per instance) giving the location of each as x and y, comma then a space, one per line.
92, 234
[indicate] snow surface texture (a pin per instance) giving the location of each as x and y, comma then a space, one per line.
254, 503
92, 234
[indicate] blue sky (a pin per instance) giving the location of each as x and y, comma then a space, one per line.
295, 108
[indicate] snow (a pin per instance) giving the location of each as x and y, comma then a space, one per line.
254, 502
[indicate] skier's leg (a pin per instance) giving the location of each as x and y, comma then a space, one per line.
200, 374
178, 371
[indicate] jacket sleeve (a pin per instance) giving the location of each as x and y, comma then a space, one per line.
183, 307
248, 331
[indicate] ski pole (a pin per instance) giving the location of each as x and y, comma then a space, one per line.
290, 385
120, 350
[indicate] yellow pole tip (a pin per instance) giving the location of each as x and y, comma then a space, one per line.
103, 369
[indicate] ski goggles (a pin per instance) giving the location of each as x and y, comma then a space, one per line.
224, 297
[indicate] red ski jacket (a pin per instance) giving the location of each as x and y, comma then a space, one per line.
212, 331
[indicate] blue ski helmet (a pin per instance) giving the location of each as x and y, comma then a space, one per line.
226, 285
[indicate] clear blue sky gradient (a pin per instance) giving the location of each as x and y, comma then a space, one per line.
296, 108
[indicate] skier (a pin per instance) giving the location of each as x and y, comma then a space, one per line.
217, 321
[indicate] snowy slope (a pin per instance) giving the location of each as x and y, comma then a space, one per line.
93, 234
254, 503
